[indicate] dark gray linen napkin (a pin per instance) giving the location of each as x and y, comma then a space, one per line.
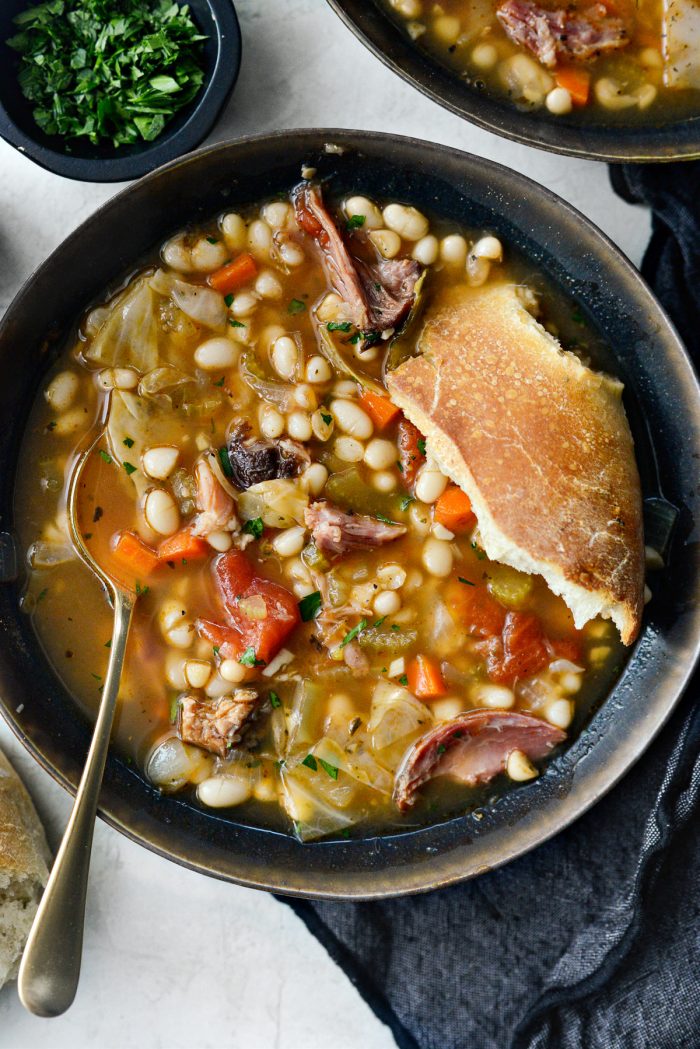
593, 940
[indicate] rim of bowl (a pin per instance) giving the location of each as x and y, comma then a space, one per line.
586, 781
202, 113
615, 144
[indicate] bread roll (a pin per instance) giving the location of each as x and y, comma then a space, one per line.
24, 858
539, 442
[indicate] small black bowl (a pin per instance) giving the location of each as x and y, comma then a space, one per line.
103, 163
654, 139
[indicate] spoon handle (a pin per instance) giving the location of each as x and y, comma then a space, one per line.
50, 969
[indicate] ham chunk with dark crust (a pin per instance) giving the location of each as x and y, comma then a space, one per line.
472, 748
378, 295
336, 532
216, 724
254, 460
562, 35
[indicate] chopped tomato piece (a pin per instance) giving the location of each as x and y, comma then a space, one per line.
566, 648
474, 609
234, 274
454, 510
522, 650
135, 555
381, 410
237, 582
411, 452
183, 546
577, 82
425, 678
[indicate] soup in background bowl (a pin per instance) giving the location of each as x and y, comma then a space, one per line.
581, 288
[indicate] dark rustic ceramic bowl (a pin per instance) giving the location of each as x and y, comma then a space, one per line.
103, 163
654, 139
663, 403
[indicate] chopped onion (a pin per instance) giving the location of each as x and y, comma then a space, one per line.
565, 666
253, 607
283, 657
47, 555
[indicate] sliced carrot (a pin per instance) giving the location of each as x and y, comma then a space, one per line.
454, 510
132, 553
183, 546
380, 409
425, 678
577, 82
234, 274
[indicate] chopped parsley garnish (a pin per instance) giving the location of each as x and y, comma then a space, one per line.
221, 381
141, 590
395, 626
130, 468
379, 622
248, 659
129, 442
310, 762
97, 514
406, 502
467, 582
327, 767
108, 72
236, 324
105, 456
213, 240
421, 445
296, 306
310, 606
480, 554
174, 707
275, 700
441, 748
339, 326
254, 527
42, 594
357, 337
577, 317
228, 299
108, 644
403, 680
352, 634
215, 650
385, 520
355, 221
225, 461
328, 419
51, 426
354, 725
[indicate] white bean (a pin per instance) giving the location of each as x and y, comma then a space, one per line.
610, 95
384, 481
430, 484
496, 696
291, 254
380, 454
488, 247
260, 238
447, 29
484, 56
222, 792
318, 369
408, 222
267, 285
345, 388
477, 271
182, 635
322, 424
118, 379
175, 670
285, 357
305, 397
159, 461
62, 390
197, 672
299, 426
453, 250
352, 419
426, 250
235, 232
271, 422
349, 449
440, 532
437, 557
408, 8
277, 214
216, 354
447, 708
207, 257
71, 421
217, 687
558, 101
386, 603
177, 256
290, 542
559, 713
161, 512
419, 516
519, 767
220, 541
391, 576
314, 478
245, 303
387, 242
233, 671
364, 207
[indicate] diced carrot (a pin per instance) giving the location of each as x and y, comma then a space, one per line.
425, 678
454, 510
234, 274
577, 82
132, 553
183, 545
380, 409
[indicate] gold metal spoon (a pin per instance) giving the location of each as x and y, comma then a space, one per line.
50, 968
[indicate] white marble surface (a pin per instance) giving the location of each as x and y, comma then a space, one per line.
173, 959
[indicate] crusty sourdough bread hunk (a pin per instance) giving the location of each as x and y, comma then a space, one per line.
539, 442
24, 856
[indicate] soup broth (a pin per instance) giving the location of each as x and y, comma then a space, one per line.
313, 596
612, 61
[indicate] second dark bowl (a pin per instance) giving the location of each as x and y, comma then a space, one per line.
653, 140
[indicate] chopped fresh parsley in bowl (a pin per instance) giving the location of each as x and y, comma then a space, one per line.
109, 89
